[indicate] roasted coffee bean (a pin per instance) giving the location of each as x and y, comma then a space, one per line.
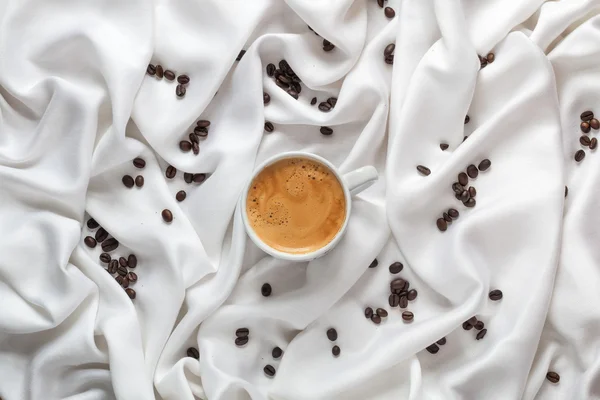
374, 263
180, 90
271, 69
483, 62
472, 191
167, 215
199, 178
406, 286
327, 131
266, 98
442, 224
566, 191
332, 334
193, 352
442, 341
553, 377
465, 138
467, 119
423, 170
127, 181
101, 235
324, 106
241, 341
408, 316
281, 84
139, 162
447, 218
463, 179
484, 165
123, 262
382, 312
151, 70
490, 58
467, 326
293, 93
389, 49
397, 284
389, 59
584, 140
240, 55
593, 144
171, 172
125, 282
389, 12
380, 3
181, 195
195, 148
284, 79
481, 334
327, 45
132, 261
183, 79
396, 267
277, 73
269, 370
169, 75
470, 203
403, 303
444, 146
119, 280
160, 71
284, 66
92, 224
479, 325
457, 188
472, 171
332, 101
586, 116
105, 257
595, 124
266, 290
113, 266
132, 276
495, 295
203, 123
473, 320
193, 137
131, 293
90, 242
580, 155
313, 101
376, 319
412, 294
269, 127
433, 349
368, 312
139, 181
453, 213
201, 132
185, 146
187, 177
122, 270
242, 332
585, 127
394, 300
335, 350
464, 196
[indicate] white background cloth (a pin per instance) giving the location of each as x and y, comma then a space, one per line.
76, 107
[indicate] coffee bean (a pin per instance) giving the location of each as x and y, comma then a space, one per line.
382, 312
495, 295
374, 263
403, 303
433, 349
203, 123
185, 146
584, 140
484, 165
389, 59
195, 148
89, 242
160, 71
490, 57
586, 116
389, 12
472, 320
92, 224
180, 90
139, 162
125, 282
269, 370
453, 213
389, 49
595, 124
397, 284
479, 325
442, 224
313, 101
193, 352
266, 290
481, 334
240, 55
119, 280
199, 178
332, 101
242, 332
463, 179
470, 203
269, 127
271, 69
396, 267
169, 75
327, 45
444, 146
423, 170
127, 181
408, 316
284, 79
368, 312
380, 3
593, 144
376, 319
335, 350
579, 155
327, 131
139, 181
472, 191
464, 196
132, 276
193, 138
467, 119
442, 341
467, 326
123, 261
167, 215
585, 127
472, 171
241, 341
201, 132
324, 106
171, 172
412, 294
482, 62
332, 334
105, 257
553, 377
457, 188
266, 98
566, 191
101, 235
282, 84
151, 70
187, 177
293, 93
113, 266
393, 300
447, 218
122, 270
465, 138
180, 196
131, 293
284, 66
183, 79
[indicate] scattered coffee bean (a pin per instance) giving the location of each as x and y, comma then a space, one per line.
240, 55
457, 188
269, 127
472, 171
242, 332
408, 316
374, 263
553, 377
467, 326
266, 98
101, 235
442, 224
122, 270
193, 137
90, 242
464, 196
580, 155
490, 57
241, 341
585, 127
199, 178
396, 267
389, 49
484, 165
169, 75
453, 213
376, 319
293, 93
423, 170
185, 146
139, 181
380, 3
92, 224
113, 266
171, 172
183, 79
160, 71
119, 280
479, 325
131, 293
433, 349
167, 215
495, 295
125, 282
282, 84
472, 191
181, 195
327, 45
403, 303
586, 116
139, 162
447, 218
269, 370
201, 132
470, 203
324, 106
132, 261
123, 262
584, 140
187, 177
467, 119
132, 276
332, 334
566, 191
442, 341
203, 123
595, 124
180, 90
271, 69
482, 62
473, 320
327, 131
444, 146
481, 334
368, 312
151, 70
266, 290
127, 181
195, 148
335, 350
397, 284
394, 300
412, 294
193, 352
593, 144
389, 12
382, 312
389, 59
105, 258
332, 101
313, 101
277, 353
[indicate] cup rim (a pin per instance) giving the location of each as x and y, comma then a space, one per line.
280, 254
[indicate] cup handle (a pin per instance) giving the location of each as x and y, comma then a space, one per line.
360, 179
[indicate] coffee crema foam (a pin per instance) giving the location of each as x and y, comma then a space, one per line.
296, 205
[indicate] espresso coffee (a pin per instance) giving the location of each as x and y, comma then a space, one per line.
296, 205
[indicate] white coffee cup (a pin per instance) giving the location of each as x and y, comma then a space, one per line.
352, 183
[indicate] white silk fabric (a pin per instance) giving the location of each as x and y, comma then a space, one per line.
76, 106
